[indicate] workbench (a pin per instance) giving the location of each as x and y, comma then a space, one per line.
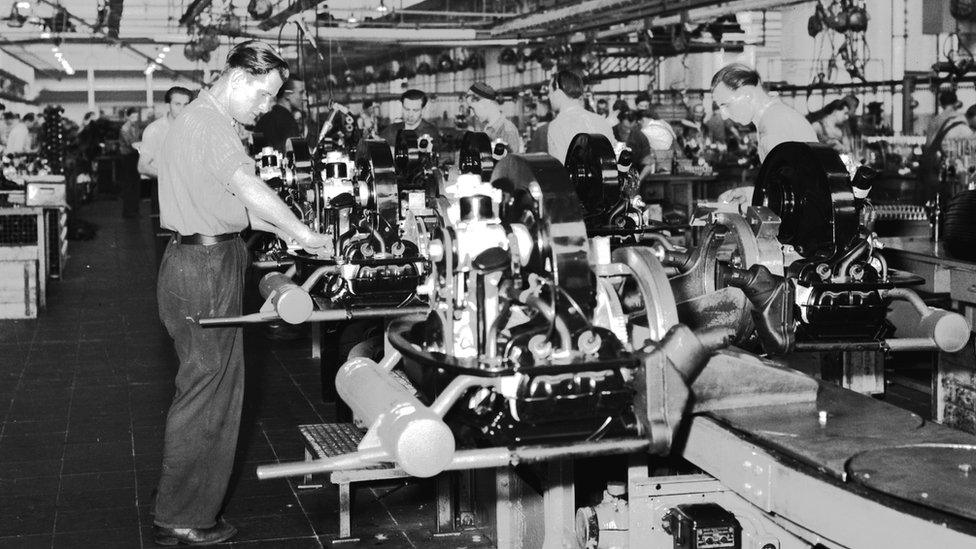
954, 383
683, 191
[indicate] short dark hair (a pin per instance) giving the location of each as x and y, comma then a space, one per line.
131, 110
367, 104
947, 97
735, 76
414, 95
570, 82
288, 86
601, 100
176, 90
29, 117
971, 111
650, 112
642, 96
256, 58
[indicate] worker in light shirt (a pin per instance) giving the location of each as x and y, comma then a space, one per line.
483, 100
565, 96
152, 137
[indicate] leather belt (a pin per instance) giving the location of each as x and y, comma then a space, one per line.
203, 239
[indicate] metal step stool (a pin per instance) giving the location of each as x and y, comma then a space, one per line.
332, 439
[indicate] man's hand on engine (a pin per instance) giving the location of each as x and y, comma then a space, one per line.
315, 243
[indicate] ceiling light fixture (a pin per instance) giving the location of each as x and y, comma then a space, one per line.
165, 49
22, 5
352, 20
382, 7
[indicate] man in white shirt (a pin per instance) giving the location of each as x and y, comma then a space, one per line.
738, 92
152, 138
565, 96
19, 138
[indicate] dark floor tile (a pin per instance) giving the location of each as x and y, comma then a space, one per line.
27, 503
388, 538
111, 480
14, 450
114, 538
42, 541
271, 527
97, 457
98, 432
28, 486
247, 486
30, 469
247, 507
97, 499
27, 523
291, 543
19, 428
97, 519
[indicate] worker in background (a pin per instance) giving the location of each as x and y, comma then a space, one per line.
625, 125
414, 102
278, 124
19, 137
738, 92
830, 123
176, 99
129, 181
971, 117
483, 100
643, 101
565, 96
538, 141
208, 193
368, 121
603, 109
653, 143
954, 125
948, 117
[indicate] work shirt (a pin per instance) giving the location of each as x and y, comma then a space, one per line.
128, 136
780, 124
18, 140
199, 156
152, 139
505, 130
277, 126
390, 132
570, 122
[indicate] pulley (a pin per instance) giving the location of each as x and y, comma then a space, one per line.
539, 196
808, 187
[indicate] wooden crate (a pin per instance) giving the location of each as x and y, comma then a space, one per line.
18, 288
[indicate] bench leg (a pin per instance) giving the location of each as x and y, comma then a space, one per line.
445, 501
345, 504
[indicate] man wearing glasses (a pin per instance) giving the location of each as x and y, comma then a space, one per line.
737, 91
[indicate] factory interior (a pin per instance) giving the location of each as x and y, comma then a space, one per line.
513, 274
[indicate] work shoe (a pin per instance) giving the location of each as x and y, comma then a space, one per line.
222, 531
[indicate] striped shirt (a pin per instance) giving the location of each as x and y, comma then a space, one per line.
199, 156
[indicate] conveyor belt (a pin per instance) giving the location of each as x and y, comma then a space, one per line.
859, 438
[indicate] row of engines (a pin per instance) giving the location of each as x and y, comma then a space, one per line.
552, 318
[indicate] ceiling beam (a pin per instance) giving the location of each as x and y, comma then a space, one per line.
121, 43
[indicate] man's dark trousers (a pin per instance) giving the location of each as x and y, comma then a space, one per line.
131, 184
197, 281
